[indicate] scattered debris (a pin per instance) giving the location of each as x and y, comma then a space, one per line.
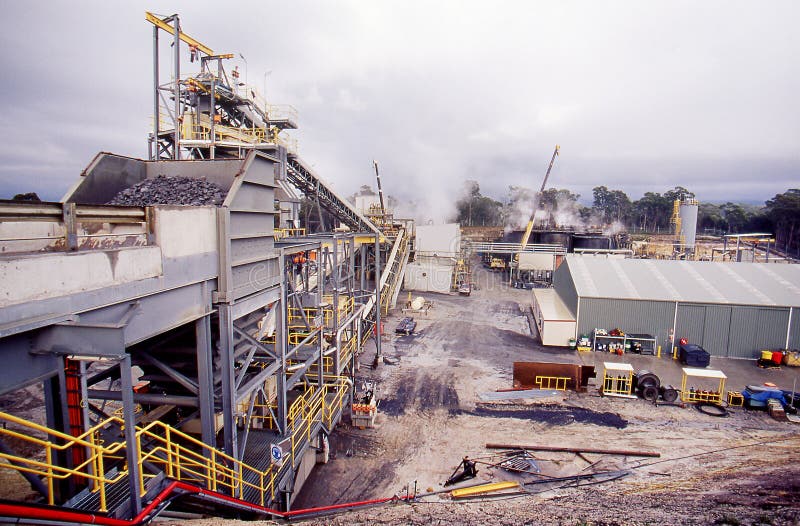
711, 409
467, 471
521, 463
171, 191
776, 410
406, 326
564, 449
483, 489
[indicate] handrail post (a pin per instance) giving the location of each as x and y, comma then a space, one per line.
50, 495
70, 226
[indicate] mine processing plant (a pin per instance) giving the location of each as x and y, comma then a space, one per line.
195, 357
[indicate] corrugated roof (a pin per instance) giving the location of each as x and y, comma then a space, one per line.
767, 284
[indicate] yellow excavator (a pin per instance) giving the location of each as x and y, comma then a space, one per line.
529, 228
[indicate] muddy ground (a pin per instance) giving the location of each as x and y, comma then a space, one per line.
743, 469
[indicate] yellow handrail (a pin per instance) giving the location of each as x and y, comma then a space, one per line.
181, 456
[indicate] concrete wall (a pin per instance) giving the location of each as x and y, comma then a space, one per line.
184, 231
39, 276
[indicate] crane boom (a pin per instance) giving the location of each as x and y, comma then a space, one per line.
529, 228
380, 190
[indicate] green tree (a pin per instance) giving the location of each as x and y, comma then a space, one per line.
611, 205
709, 217
784, 211
734, 216
474, 209
652, 212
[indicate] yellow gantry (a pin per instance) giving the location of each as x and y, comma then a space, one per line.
159, 23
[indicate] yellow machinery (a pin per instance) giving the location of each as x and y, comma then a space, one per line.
618, 379
526, 237
701, 393
497, 264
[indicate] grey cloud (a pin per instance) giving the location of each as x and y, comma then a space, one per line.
641, 95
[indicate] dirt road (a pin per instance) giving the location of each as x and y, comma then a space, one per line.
431, 416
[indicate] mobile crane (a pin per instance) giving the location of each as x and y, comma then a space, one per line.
529, 228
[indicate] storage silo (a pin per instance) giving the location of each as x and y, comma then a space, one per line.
688, 213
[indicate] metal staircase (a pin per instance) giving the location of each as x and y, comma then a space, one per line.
164, 456
392, 277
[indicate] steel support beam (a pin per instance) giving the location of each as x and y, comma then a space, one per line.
378, 355
281, 334
228, 379
145, 398
177, 60
205, 380
129, 417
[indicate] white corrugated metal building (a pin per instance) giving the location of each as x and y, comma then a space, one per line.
437, 249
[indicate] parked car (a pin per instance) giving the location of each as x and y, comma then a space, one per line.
465, 289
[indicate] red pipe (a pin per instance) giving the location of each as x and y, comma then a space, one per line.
63, 515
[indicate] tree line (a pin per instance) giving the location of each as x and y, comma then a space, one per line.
651, 213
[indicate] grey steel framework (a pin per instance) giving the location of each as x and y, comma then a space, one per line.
732, 310
226, 323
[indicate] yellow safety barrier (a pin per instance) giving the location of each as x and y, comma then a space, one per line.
181, 456
559, 383
283, 233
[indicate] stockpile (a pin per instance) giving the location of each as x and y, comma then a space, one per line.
170, 191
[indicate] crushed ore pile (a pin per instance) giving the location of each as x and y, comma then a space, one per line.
171, 191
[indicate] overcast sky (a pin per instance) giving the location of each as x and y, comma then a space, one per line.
640, 95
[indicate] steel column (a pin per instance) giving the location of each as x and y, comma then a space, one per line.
129, 417
228, 380
363, 268
336, 277
205, 381
177, 44
154, 153
281, 334
377, 298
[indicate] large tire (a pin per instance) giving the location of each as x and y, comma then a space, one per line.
669, 393
647, 379
650, 393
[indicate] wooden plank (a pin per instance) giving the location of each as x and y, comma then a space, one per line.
624, 452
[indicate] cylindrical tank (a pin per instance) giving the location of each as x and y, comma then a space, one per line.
591, 241
515, 236
688, 212
556, 238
